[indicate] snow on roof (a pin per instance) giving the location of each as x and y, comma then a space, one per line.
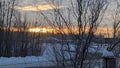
108, 54
102, 48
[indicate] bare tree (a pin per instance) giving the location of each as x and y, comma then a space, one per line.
116, 27
85, 16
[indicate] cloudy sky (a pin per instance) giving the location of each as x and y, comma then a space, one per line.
43, 4
25, 6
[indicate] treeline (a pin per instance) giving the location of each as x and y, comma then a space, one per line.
15, 43
19, 44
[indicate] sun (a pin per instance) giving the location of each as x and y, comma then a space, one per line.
38, 30
44, 30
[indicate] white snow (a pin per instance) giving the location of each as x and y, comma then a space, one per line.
45, 60
107, 53
18, 60
23, 62
48, 56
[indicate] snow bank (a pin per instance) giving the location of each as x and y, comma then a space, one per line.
18, 60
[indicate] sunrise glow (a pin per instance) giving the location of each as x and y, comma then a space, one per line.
36, 30
101, 30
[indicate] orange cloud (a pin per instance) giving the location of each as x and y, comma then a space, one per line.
38, 7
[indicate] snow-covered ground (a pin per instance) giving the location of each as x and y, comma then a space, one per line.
21, 62
46, 59
28, 61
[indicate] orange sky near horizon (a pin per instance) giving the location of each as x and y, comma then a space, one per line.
47, 29
101, 30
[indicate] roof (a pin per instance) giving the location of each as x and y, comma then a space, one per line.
107, 54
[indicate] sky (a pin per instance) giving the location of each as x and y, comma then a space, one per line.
43, 4
30, 7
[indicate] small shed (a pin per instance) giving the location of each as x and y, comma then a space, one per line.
109, 60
